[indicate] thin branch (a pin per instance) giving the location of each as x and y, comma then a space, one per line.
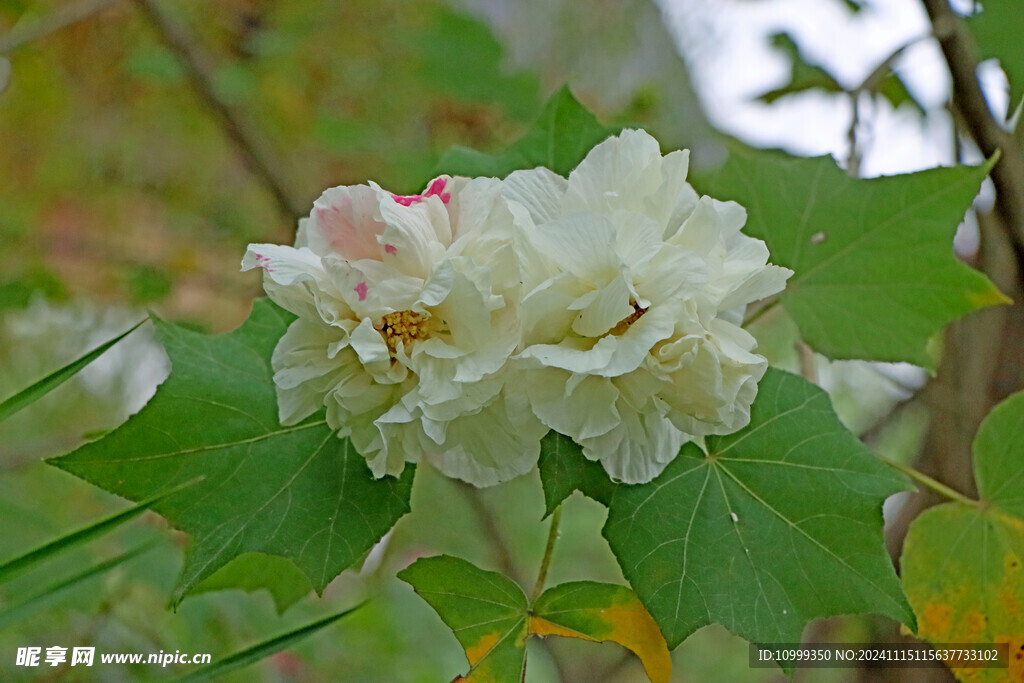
542, 575
33, 30
870, 433
258, 156
855, 150
883, 69
962, 58
805, 354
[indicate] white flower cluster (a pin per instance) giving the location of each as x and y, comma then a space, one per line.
459, 325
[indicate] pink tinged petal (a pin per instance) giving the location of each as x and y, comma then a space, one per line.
291, 264
434, 189
419, 234
360, 289
343, 221
391, 249
408, 200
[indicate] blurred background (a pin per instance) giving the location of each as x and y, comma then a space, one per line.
145, 143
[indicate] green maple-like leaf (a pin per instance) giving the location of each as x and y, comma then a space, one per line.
564, 469
486, 610
492, 618
249, 572
558, 140
779, 523
963, 565
875, 273
998, 30
298, 492
603, 612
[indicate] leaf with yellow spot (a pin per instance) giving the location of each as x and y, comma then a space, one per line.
602, 612
963, 565
491, 617
486, 611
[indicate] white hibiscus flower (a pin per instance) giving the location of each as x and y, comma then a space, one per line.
408, 308
635, 292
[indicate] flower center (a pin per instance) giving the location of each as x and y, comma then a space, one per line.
405, 327
623, 325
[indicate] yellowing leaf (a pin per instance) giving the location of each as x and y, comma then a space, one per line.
602, 612
485, 610
491, 617
963, 565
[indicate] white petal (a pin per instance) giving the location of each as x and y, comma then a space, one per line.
302, 370
761, 283
343, 222
492, 446
373, 352
584, 411
418, 234
701, 231
539, 190
637, 238
619, 173
291, 277
602, 311
373, 288
665, 201
583, 244
638, 449
672, 272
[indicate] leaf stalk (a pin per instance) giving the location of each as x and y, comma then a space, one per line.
542, 575
933, 484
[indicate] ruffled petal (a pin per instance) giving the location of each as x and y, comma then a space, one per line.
583, 410
539, 190
499, 443
343, 222
616, 174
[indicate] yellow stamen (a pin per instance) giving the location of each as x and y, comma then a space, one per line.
404, 326
624, 324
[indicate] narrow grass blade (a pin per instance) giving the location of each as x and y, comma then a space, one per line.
44, 552
262, 650
54, 593
47, 384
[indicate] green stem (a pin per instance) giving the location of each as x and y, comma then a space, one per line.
542, 576
933, 484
